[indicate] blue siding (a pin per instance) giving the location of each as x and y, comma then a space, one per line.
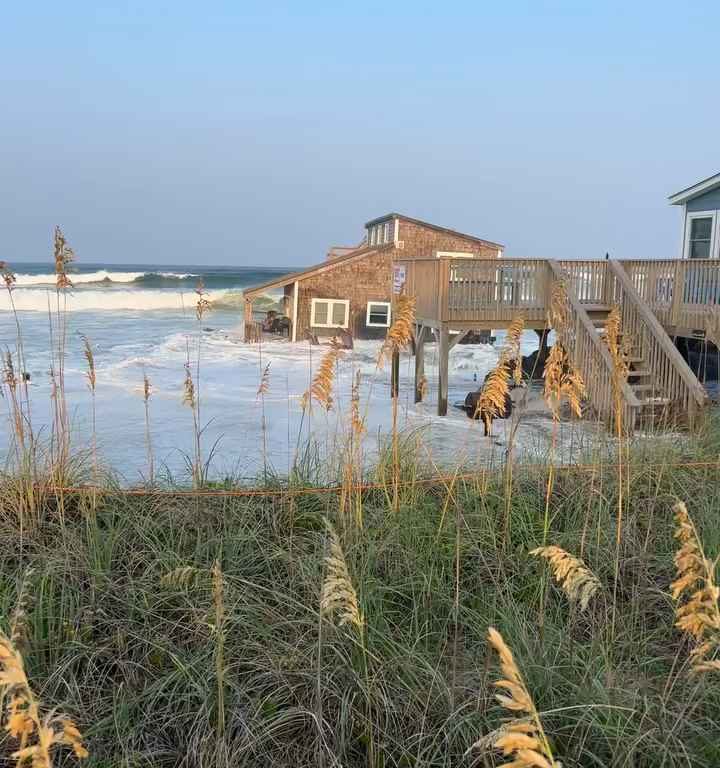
710, 201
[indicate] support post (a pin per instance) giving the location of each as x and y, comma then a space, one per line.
395, 374
248, 321
296, 287
419, 363
444, 355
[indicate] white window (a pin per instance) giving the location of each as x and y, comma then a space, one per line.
372, 235
329, 313
701, 238
454, 255
386, 232
378, 314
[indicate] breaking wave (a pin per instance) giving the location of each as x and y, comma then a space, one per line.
103, 276
88, 300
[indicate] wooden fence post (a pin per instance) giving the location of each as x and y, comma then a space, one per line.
419, 363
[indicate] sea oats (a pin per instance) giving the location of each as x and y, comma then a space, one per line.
37, 736
577, 581
322, 383
264, 386
562, 382
401, 332
339, 597
523, 738
696, 594
63, 255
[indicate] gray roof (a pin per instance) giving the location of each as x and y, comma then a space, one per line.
700, 188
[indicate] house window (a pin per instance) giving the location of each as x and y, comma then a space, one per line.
700, 237
372, 235
378, 314
329, 313
386, 232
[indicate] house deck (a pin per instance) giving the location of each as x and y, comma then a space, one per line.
657, 299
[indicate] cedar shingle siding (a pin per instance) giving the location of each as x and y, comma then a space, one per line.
363, 277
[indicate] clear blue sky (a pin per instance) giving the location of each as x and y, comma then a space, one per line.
262, 132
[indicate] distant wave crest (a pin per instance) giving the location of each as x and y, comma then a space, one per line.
103, 276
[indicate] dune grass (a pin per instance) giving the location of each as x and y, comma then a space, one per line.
154, 674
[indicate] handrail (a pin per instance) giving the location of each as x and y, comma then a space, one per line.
664, 359
592, 357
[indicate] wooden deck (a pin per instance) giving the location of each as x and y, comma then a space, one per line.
657, 299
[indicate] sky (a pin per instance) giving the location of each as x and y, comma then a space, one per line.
261, 133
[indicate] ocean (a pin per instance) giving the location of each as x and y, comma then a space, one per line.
140, 321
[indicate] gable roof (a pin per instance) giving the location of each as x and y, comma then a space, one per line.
706, 185
359, 253
435, 227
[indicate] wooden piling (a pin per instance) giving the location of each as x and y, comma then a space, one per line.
443, 365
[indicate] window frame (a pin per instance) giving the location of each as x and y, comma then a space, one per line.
330, 302
454, 255
714, 236
370, 324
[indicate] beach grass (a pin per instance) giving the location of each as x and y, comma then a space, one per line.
132, 654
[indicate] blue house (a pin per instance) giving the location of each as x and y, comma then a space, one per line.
701, 219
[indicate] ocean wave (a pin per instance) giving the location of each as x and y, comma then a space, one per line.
103, 276
119, 300
128, 300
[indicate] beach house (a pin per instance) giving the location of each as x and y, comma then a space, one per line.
701, 219
351, 290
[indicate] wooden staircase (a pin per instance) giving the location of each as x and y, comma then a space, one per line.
660, 386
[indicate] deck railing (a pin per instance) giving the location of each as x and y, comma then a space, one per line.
496, 290
680, 293
671, 377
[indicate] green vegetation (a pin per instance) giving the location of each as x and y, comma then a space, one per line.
124, 630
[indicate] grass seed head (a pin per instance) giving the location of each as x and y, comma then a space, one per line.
322, 384
562, 382
523, 738
400, 333
696, 594
577, 581
90, 360
63, 255
339, 597
188, 388
7, 275
264, 387
203, 304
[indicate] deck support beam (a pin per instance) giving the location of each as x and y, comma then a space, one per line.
443, 365
420, 362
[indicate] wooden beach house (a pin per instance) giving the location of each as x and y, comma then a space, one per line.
701, 219
352, 289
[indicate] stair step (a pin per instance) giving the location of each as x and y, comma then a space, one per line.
639, 373
643, 387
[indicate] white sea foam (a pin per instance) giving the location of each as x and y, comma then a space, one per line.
88, 300
100, 276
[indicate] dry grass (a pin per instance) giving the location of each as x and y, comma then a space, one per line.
696, 594
578, 582
563, 382
63, 255
339, 598
264, 386
523, 738
401, 332
321, 387
38, 736
496, 388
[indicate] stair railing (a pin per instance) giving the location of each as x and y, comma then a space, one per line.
591, 357
670, 374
